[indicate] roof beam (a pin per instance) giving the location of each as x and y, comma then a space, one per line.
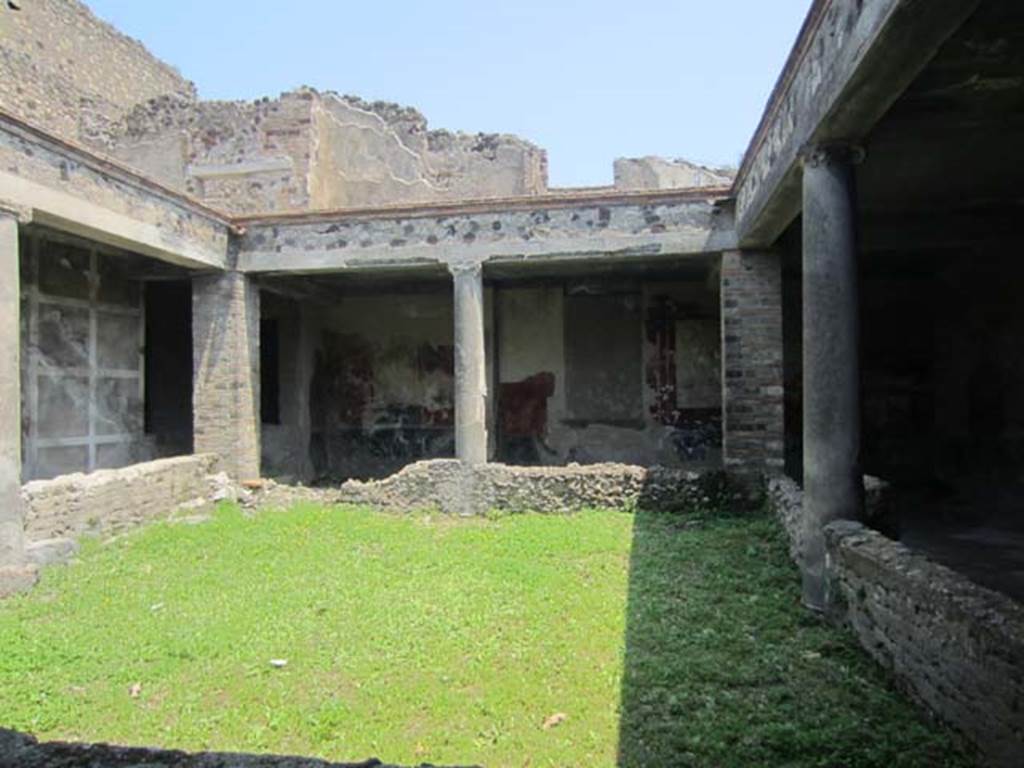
853, 59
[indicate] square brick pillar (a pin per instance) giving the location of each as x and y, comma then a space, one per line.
752, 385
226, 371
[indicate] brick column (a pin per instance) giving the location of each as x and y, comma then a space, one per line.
752, 389
226, 371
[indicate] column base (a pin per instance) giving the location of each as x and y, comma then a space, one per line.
17, 578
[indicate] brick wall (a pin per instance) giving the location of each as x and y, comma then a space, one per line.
752, 388
225, 396
109, 499
955, 646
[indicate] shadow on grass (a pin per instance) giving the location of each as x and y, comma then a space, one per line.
724, 668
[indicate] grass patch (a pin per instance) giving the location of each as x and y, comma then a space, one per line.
414, 639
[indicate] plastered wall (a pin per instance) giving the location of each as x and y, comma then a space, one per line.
664, 408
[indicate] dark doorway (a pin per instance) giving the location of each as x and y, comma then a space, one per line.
168, 366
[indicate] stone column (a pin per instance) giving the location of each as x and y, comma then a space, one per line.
12, 516
470, 365
226, 375
15, 573
752, 384
833, 487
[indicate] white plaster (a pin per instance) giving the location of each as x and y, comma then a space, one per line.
70, 213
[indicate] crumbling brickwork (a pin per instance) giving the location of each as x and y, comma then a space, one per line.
225, 398
74, 75
311, 150
752, 383
237, 156
111, 499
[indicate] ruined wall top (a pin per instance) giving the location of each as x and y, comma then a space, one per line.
67, 72
652, 172
62, 65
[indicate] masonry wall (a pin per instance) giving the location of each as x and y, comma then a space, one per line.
100, 201
662, 173
752, 376
956, 647
310, 150
953, 645
111, 499
236, 156
455, 488
382, 390
366, 380
225, 353
379, 153
70, 72
625, 371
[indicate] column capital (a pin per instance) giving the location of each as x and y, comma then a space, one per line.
464, 267
832, 153
20, 212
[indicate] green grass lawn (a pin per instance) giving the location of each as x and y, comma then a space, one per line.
665, 640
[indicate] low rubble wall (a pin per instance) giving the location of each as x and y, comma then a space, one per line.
452, 487
110, 499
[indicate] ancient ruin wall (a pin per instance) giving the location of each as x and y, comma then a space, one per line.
307, 150
76, 76
455, 488
236, 156
957, 647
64, 69
110, 499
379, 153
60, 179
953, 645
663, 173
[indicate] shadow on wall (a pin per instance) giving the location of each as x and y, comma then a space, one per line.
723, 667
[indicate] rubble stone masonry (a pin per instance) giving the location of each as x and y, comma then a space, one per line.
64, 68
453, 487
112, 499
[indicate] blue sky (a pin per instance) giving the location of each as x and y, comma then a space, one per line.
588, 81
